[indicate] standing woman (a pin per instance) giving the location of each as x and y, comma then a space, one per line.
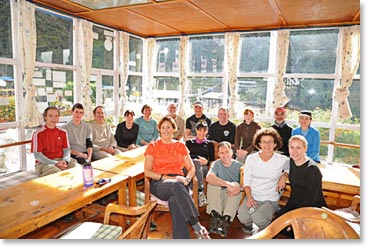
305, 178
164, 163
147, 127
244, 135
265, 175
127, 132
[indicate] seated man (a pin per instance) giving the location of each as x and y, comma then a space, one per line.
80, 135
104, 143
224, 193
50, 145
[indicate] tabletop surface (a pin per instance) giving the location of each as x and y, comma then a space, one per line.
34, 203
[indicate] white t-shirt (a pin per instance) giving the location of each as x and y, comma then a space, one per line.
263, 176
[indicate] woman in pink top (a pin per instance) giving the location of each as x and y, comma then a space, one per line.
165, 159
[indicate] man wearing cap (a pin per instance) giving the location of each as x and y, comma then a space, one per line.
284, 130
191, 122
180, 122
311, 134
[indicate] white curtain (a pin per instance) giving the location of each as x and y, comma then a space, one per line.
232, 41
85, 45
280, 99
124, 69
30, 117
151, 66
350, 63
183, 54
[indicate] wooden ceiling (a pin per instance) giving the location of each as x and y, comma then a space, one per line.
178, 17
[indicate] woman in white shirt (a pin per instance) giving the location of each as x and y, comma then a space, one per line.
265, 175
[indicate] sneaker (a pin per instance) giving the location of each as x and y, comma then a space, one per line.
152, 226
202, 199
202, 234
224, 226
247, 229
214, 222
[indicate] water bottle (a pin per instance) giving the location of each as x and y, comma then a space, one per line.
87, 174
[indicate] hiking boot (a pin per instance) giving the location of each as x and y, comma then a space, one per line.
202, 234
224, 226
214, 222
202, 199
247, 229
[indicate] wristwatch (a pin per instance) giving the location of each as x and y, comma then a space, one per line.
188, 180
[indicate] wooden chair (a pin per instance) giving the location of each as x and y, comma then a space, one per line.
162, 206
309, 223
138, 230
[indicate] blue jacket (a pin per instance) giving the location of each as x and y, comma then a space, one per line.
313, 139
147, 130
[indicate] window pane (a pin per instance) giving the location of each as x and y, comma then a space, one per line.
311, 94
252, 93
54, 38
136, 54
254, 56
9, 157
7, 94
209, 90
5, 30
312, 51
207, 54
54, 88
102, 48
93, 88
134, 89
347, 155
168, 55
166, 89
107, 92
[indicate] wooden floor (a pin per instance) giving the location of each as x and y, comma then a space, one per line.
162, 219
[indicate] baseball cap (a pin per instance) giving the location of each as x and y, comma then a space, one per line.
199, 103
280, 110
305, 113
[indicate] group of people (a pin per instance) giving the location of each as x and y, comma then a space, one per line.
178, 150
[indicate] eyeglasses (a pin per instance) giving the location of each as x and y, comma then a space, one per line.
267, 142
279, 113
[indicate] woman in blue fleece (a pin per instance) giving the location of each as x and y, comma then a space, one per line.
311, 134
148, 131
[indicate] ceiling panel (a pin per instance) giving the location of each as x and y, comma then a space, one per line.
176, 17
175, 14
242, 14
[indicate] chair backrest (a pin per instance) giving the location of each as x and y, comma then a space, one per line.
309, 223
139, 229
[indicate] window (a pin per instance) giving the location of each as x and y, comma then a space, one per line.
209, 90
7, 94
54, 88
5, 30
135, 54
207, 54
107, 93
102, 48
312, 51
252, 93
168, 55
134, 90
354, 100
310, 94
54, 38
9, 157
254, 54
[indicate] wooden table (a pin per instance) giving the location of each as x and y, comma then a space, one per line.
339, 178
129, 163
32, 204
